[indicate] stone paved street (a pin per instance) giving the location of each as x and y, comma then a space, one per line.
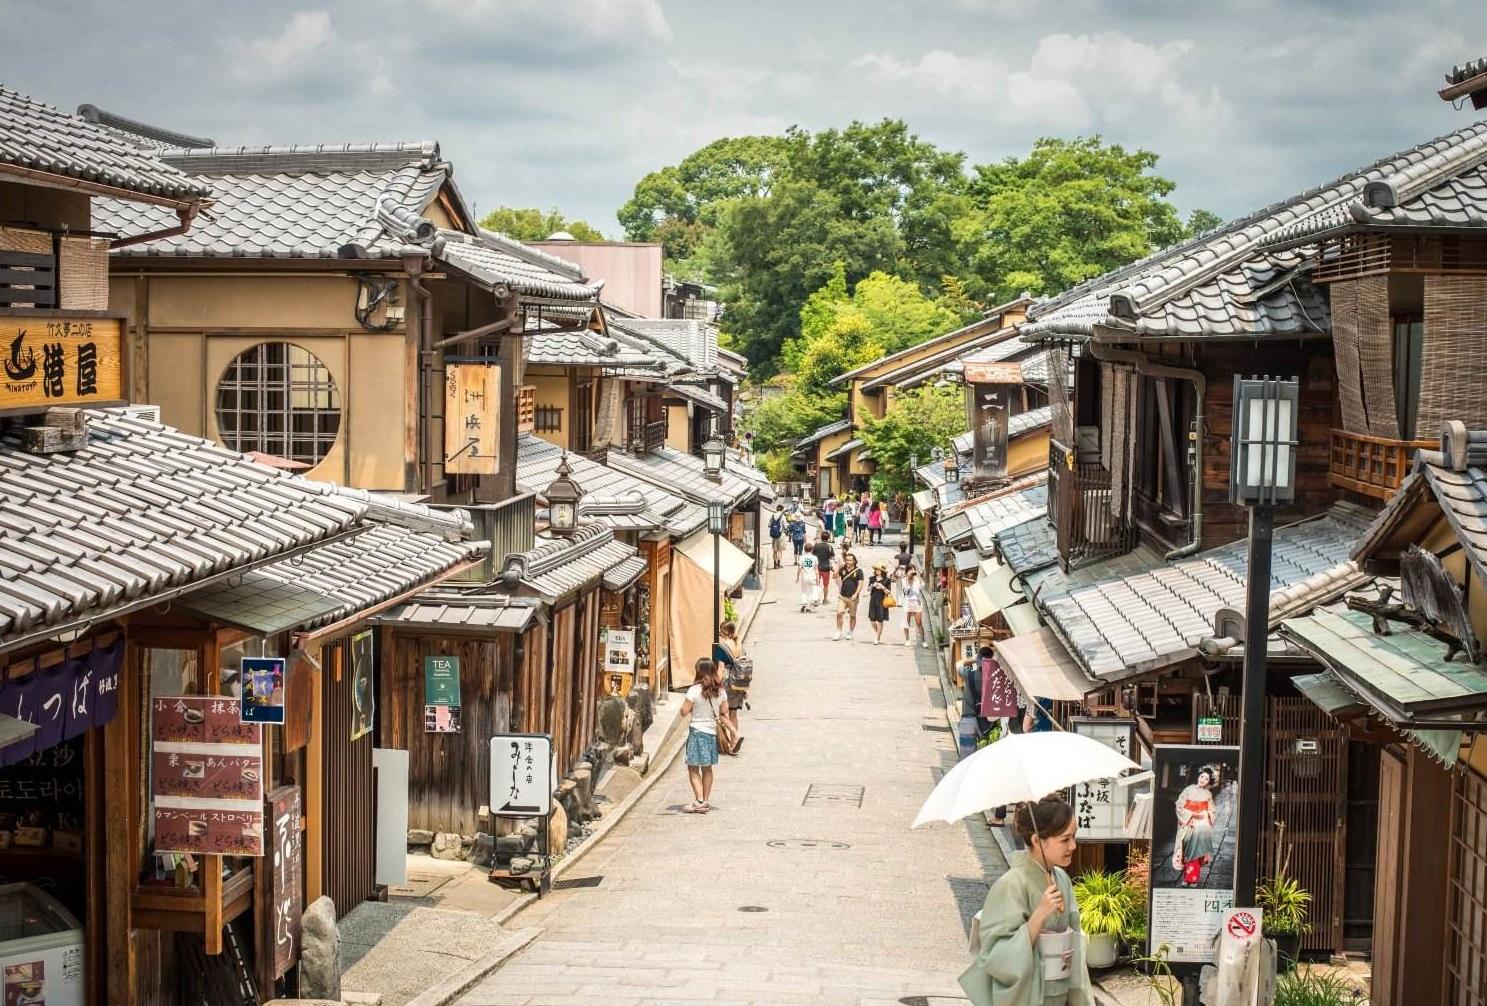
780, 896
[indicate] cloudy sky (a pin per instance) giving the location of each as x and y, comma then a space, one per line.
567, 103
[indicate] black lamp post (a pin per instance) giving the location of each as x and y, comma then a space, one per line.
717, 519
952, 467
1262, 473
913, 468
563, 495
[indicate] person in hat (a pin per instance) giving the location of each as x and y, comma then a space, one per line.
879, 600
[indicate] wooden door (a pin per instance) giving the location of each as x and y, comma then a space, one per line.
1361, 843
348, 804
1390, 861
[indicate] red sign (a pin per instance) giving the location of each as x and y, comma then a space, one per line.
206, 782
198, 830
214, 776
200, 719
1242, 925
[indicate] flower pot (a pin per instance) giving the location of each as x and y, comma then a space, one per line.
1099, 951
1287, 950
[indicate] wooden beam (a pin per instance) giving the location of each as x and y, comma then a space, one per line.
120, 767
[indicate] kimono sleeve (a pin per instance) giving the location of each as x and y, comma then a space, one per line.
1006, 950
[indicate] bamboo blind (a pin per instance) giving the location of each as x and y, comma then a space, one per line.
1363, 340
1058, 395
1467, 917
84, 272
1454, 369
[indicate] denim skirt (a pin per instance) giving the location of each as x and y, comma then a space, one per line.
702, 748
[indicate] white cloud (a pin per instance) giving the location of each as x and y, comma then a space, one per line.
617, 21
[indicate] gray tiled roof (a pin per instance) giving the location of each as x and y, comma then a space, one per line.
495, 259
625, 573
694, 341
1032, 419
821, 432
443, 609
537, 465
1466, 71
1457, 202
1031, 545
844, 449
982, 517
700, 395
1225, 282
684, 474
913, 374
142, 510
579, 347
333, 581
1122, 625
1461, 495
38, 137
558, 566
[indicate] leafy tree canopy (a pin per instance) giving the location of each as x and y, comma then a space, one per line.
921, 419
529, 224
782, 418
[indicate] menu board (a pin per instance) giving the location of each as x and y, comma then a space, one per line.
206, 779
521, 775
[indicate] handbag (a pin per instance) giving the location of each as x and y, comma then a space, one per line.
889, 601
727, 732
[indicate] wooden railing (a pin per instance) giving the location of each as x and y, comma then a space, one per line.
27, 280
1089, 522
1373, 466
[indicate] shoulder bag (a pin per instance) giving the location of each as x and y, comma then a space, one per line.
727, 732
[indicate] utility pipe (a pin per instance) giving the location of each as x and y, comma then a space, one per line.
1146, 367
415, 268
185, 214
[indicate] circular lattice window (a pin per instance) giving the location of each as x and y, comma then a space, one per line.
279, 398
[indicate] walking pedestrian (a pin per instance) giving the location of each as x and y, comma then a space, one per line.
879, 600
1030, 950
701, 709
875, 524
848, 595
824, 554
806, 576
777, 533
913, 608
864, 515
903, 561
729, 657
797, 536
839, 520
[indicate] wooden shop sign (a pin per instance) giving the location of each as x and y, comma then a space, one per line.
57, 360
471, 418
993, 373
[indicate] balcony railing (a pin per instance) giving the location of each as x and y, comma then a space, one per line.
1373, 466
1090, 523
647, 437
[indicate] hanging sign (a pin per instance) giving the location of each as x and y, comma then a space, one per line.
1210, 730
471, 418
441, 695
1100, 806
285, 808
206, 783
1193, 835
363, 691
619, 661
52, 360
263, 689
63, 701
521, 775
990, 408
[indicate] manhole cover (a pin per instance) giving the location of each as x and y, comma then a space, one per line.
937, 728
821, 794
807, 843
752, 908
576, 883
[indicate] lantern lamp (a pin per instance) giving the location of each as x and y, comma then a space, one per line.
1263, 467
563, 495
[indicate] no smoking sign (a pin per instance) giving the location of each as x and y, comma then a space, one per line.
1242, 925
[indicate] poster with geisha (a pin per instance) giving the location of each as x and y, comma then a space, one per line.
1193, 835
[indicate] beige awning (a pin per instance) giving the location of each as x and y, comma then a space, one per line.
1021, 618
1043, 668
992, 591
733, 563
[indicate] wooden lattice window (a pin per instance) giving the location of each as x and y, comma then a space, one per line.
548, 419
1467, 965
526, 408
280, 399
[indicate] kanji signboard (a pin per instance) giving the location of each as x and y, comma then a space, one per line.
53, 360
206, 782
521, 775
1100, 805
471, 418
285, 807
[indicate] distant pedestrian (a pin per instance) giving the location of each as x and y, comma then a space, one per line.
797, 536
1031, 947
903, 561
875, 524
839, 520
913, 608
849, 595
701, 707
879, 600
807, 578
824, 554
777, 534
731, 662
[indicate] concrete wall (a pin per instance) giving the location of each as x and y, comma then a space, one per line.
631, 271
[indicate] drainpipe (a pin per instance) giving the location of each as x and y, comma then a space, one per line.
415, 267
1147, 368
186, 215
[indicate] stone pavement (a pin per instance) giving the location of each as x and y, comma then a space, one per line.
805, 884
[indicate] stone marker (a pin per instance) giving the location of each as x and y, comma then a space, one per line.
418, 836
447, 845
320, 951
557, 831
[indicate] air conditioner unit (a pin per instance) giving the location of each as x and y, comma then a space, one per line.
149, 413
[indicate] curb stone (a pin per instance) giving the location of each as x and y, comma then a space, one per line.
467, 978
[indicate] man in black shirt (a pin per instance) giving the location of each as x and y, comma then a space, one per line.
849, 593
824, 554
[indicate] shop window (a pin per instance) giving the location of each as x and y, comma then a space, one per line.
280, 399
548, 419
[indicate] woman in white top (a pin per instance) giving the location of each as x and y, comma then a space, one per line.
701, 706
913, 597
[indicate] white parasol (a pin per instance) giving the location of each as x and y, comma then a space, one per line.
1020, 768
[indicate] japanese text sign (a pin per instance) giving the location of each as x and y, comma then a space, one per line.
1100, 805
206, 779
521, 775
285, 807
60, 361
64, 700
263, 689
471, 418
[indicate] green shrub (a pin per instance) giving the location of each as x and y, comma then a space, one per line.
1315, 988
1105, 902
1285, 906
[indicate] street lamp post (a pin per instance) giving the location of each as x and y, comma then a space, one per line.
563, 496
1262, 473
717, 517
913, 468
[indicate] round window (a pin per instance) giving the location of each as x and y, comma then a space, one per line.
279, 398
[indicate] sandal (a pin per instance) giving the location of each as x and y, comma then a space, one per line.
704, 807
695, 807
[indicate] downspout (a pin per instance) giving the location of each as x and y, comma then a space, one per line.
415, 267
1146, 368
186, 214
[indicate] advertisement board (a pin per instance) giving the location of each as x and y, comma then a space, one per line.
521, 781
1100, 806
206, 778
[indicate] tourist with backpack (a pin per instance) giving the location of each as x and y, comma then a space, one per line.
777, 534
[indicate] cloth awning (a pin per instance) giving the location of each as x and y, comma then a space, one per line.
1021, 618
1043, 668
733, 563
626, 573
924, 499
992, 591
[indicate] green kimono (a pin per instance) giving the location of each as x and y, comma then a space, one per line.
1008, 971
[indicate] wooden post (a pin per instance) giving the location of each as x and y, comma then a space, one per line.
120, 831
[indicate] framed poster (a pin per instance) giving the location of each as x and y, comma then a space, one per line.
263, 689
521, 775
1100, 805
441, 695
1195, 796
363, 686
617, 675
206, 779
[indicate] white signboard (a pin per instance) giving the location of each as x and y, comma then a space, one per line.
619, 651
1100, 806
391, 858
521, 775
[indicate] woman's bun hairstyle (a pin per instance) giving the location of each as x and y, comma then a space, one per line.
1044, 819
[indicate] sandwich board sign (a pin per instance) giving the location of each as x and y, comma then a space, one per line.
521, 781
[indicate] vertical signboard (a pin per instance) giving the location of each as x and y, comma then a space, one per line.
989, 390
521, 775
619, 661
206, 778
263, 689
1195, 795
471, 418
441, 695
285, 808
1100, 805
363, 686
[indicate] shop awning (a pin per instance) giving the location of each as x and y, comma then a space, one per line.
1043, 668
462, 613
992, 591
733, 563
1021, 619
925, 499
1329, 695
626, 573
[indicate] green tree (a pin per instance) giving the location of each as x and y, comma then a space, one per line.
1070, 210
920, 420
1202, 221
782, 418
528, 224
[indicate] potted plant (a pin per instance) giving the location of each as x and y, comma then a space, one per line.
1284, 905
1104, 908
1137, 879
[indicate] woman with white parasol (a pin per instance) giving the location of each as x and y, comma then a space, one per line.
1027, 948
